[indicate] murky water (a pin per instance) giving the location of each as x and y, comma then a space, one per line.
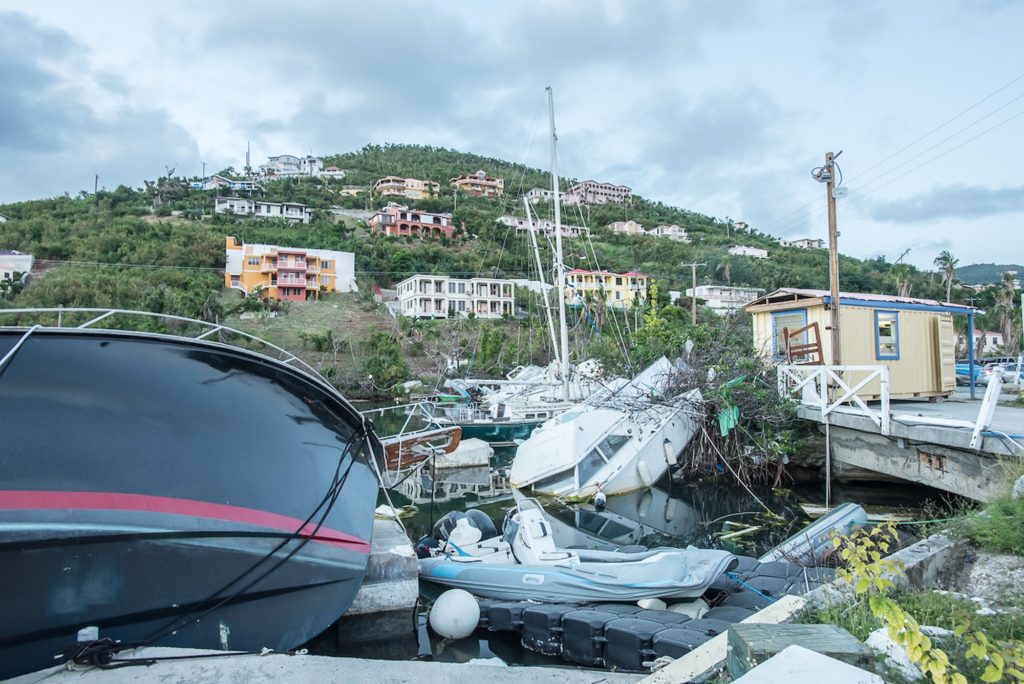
708, 514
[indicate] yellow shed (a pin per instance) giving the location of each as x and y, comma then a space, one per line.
913, 337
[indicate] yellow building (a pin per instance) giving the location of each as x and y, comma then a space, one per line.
619, 290
913, 337
293, 274
479, 184
413, 188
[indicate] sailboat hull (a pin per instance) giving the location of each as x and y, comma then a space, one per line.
175, 492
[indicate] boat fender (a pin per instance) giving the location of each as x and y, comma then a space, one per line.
652, 604
670, 453
455, 614
645, 473
696, 609
600, 500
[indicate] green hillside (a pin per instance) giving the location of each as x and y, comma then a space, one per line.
983, 274
160, 248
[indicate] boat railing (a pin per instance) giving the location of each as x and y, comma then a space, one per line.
85, 318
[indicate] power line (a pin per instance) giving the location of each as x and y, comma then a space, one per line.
814, 203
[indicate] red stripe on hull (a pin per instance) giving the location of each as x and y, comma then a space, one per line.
112, 501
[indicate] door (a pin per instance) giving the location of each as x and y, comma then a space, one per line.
945, 340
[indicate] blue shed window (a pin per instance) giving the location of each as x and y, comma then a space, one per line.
794, 319
887, 335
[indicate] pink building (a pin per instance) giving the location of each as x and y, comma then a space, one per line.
397, 220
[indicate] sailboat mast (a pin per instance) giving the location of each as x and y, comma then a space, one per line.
559, 263
543, 285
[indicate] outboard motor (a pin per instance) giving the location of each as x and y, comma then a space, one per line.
442, 529
425, 546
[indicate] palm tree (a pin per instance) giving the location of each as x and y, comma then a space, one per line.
903, 284
1006, 307
946, 263
725, 268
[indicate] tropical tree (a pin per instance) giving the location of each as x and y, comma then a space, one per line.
903, 273
1006, 309
946, 263
725, 269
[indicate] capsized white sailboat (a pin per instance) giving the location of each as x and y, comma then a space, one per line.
622, 439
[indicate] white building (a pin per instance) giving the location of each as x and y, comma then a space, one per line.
672, 232
440, 296
542, 226
804, 243
593, 192
722, 299
992, 340
756, 252
14, 263
237, 184
285, 165
333, 172
540, 194
629, 227
244, 206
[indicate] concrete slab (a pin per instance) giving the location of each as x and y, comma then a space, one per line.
317, 670
799, 665
392, 574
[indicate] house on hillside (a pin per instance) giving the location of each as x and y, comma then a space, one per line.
397, 220
333, 172
672, 232
440, 296
619, 290
630, 227
722, 299
913, 337
411, 188
293, 212
989, 340
755, 252
540, 195
217, 182
288, 165
479, 184
288, 273
593, 192
542, 226
15, 265
804, 243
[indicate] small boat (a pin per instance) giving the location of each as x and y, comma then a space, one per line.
622, 439
813, 543
524, 564
172, 490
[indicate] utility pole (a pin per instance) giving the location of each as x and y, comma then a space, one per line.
204, 172
693, 291
829, 177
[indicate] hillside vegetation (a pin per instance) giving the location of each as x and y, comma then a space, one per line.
160, 248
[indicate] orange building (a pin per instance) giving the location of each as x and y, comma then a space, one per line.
292, 274
396, 220
479, 184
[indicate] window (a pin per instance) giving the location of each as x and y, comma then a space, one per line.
325, 264
618, 281
254, 261
589, 466
887, 335
783, 320
611, 445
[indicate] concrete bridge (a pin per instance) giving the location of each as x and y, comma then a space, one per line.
959, 445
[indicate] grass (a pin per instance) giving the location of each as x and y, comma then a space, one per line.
999, 528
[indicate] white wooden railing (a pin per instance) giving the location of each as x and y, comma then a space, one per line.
832, 387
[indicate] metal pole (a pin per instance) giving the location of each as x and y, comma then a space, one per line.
543, 285
693, 292
558, 246
970, 351
833, 258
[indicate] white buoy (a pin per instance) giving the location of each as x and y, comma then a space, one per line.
651, 604
455, 614
695, 609
600, 500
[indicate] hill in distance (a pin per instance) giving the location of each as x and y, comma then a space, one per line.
981, 274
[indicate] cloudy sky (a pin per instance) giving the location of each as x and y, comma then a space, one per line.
718, 107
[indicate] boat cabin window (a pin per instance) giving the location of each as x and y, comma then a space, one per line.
590, 464
611, 444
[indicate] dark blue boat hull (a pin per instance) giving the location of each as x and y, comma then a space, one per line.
173, 491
